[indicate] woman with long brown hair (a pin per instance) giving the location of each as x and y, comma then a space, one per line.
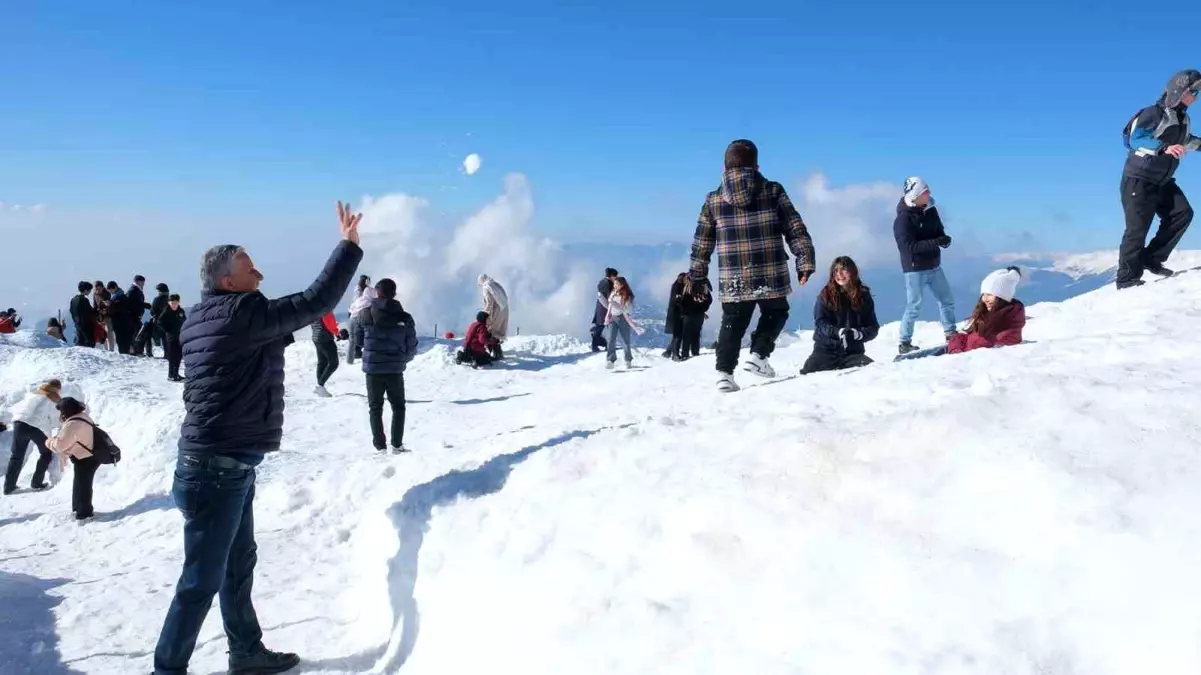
997, 320
619, 321
844, 319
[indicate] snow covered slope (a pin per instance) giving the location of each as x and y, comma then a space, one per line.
1029, 510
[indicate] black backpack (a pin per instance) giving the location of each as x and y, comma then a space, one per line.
103, 448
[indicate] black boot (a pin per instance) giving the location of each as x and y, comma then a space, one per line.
1133, 283
265, 662
906, 347
1158, 269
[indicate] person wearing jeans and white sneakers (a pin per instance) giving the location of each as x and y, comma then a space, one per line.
920, 239
748, 221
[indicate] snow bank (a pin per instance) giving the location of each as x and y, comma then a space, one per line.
1023, 510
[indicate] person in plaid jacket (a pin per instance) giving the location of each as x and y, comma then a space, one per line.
747, 221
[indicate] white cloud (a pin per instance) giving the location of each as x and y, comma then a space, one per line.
472, 164
435, 267
854, 220
36, 209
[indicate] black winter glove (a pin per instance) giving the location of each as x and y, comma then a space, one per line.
944, 241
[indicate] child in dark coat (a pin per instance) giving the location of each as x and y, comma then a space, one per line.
844, 319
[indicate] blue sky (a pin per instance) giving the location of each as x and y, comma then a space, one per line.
187, 123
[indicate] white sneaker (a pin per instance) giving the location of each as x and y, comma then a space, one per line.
322, 392
759, 366
610, 365
726, 383
629, 365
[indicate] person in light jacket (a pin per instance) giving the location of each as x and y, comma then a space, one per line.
75, 440
363, 295
619, 321
33, 418
496, 304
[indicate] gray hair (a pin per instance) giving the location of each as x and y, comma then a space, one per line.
217, 263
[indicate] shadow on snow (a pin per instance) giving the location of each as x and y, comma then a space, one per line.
28, 641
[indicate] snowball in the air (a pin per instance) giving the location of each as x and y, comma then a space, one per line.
472, 163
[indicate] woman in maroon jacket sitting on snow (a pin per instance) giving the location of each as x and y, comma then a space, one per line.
998, 318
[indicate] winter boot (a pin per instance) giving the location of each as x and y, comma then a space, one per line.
265, 662
1158, 269
1133, 283
759, 366
726, 383
906, 347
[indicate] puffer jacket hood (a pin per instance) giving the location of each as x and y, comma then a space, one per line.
739, 186
1178, 86
389, 337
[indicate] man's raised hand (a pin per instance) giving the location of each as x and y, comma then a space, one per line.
348, 222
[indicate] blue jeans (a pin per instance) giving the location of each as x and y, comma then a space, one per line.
619, 327
915, 284
219, 557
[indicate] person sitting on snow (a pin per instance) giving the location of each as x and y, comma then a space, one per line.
997, 320
844, 318
478, 344
9, 321
55, 329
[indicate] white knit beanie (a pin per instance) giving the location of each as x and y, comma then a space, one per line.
1002, 283
914, 187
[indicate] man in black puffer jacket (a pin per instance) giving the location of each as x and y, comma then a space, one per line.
389, 343
233, 349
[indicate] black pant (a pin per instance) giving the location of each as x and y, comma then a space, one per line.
393, 386
736, 318
142, 338
1142, 201
474, 358
123, 333
174, 354
81, 487
327, 361
598, 337
820, 360
85, 335
691, 344
23, 434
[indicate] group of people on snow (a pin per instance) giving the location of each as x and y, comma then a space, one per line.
106, 317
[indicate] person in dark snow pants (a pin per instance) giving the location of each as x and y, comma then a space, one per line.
1157, 137
477, 343
325, 336
134, 310
844, 319
170, 320
695, 299
33, 420
389, 344
674, 324
363, 295
604, 288
233, 351
84, 317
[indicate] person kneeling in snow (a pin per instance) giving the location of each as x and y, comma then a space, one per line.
844, 319
76, 439
478, 344
997, 320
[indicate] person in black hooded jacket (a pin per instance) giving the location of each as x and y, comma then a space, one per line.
1157, 137
389, 344
84, 317
844, 318
695, 299
170, 321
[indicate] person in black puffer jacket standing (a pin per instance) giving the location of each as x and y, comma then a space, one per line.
170, 321
233, 349
1157, 137
389, 343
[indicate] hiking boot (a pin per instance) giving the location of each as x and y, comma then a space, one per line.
1158, 269
950, 334
40, 486
265, 662
667, 353
1133, 283
906, 347
726, 383
759, 366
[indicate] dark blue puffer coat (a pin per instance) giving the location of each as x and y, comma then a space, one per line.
233, 351
389, 337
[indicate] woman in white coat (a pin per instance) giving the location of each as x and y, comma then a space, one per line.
363, 295
34, 418
496, 304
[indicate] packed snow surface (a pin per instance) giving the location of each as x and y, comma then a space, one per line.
1027, 511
